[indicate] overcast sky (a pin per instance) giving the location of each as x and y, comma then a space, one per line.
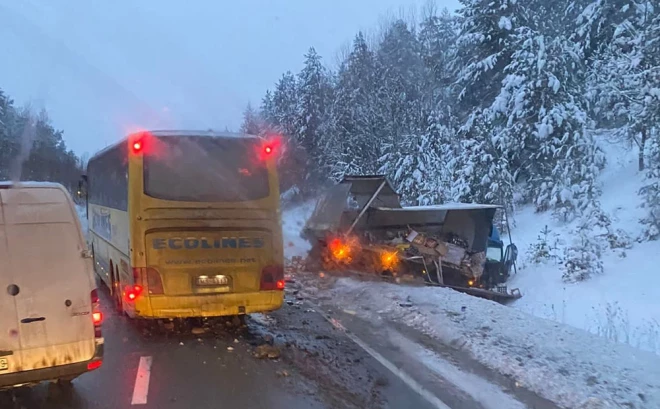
103, 68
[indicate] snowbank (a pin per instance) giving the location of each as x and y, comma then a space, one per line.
622, 304
566, 365
82, 215
293, 222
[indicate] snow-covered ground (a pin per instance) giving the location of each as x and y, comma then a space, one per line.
561, 363
623, 304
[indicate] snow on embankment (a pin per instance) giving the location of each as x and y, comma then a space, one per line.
622, 304
82, 215
563, 364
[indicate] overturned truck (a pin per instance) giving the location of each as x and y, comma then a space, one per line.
360, 225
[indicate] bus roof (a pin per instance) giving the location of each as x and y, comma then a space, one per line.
157, 133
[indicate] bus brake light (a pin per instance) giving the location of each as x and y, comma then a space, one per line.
272, 278
132, 293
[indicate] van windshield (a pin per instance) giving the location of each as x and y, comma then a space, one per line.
204, 169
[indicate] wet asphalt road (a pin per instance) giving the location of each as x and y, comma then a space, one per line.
318, 368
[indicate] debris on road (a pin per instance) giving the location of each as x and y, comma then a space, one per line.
283, 373
267, 351
198, 331
406, 303
230, 349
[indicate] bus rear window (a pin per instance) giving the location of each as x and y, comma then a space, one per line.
204, 169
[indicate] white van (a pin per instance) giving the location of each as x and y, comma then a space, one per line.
49, 318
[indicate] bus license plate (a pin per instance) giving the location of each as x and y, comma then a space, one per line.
212, 281
4, 364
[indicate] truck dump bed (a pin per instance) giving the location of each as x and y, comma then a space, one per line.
361, 222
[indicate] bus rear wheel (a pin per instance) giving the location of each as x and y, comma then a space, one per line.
116, 295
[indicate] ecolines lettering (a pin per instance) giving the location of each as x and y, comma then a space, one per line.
190, 243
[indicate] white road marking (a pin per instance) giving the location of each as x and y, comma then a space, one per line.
407, 379
141, 389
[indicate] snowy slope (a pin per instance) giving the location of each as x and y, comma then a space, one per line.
563, 363
623, 304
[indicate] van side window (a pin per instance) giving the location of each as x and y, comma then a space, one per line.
108, 178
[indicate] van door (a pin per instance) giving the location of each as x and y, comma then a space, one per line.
53, 305
10, 357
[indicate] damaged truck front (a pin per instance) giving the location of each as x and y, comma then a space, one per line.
360, 225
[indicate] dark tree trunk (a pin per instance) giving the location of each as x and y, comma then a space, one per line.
642, 145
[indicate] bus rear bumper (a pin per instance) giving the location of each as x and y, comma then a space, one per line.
217, 305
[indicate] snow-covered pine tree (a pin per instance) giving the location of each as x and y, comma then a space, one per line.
437, 38
593, 23
651, 191
483, 50
400, 80
314, 92
285, 104
284, 115
582, 259
252, 122
7, 143
267, 110
544, 132
402, 103
626, 76
481, 170
354, 145
421, 168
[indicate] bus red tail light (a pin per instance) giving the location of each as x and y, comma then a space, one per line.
272, 278
154, 282
133, 292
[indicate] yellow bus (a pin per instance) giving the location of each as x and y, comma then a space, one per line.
187, 224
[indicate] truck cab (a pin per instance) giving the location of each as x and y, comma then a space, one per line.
498, 259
